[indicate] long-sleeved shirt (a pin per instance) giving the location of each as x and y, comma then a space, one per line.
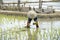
32, 14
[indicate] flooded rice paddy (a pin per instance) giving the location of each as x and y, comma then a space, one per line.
12, 28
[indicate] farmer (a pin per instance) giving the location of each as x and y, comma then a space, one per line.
32, 15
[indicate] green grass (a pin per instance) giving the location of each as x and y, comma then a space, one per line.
11, 17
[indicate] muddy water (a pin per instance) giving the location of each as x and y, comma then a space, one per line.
12, 28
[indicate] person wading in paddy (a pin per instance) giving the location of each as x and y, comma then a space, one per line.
32, 15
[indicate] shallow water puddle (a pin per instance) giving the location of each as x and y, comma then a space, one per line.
13, 29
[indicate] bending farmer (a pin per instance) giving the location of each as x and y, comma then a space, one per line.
32, 15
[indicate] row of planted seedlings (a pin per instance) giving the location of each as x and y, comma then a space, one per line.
54, 34
13, 34
45, 34
29, 34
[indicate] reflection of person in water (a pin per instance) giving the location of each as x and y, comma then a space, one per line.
32, 15
32, 36
29, 34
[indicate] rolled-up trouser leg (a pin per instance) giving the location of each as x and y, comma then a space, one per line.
35, 19
28, 23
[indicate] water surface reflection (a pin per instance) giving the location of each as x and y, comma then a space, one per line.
13, 29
